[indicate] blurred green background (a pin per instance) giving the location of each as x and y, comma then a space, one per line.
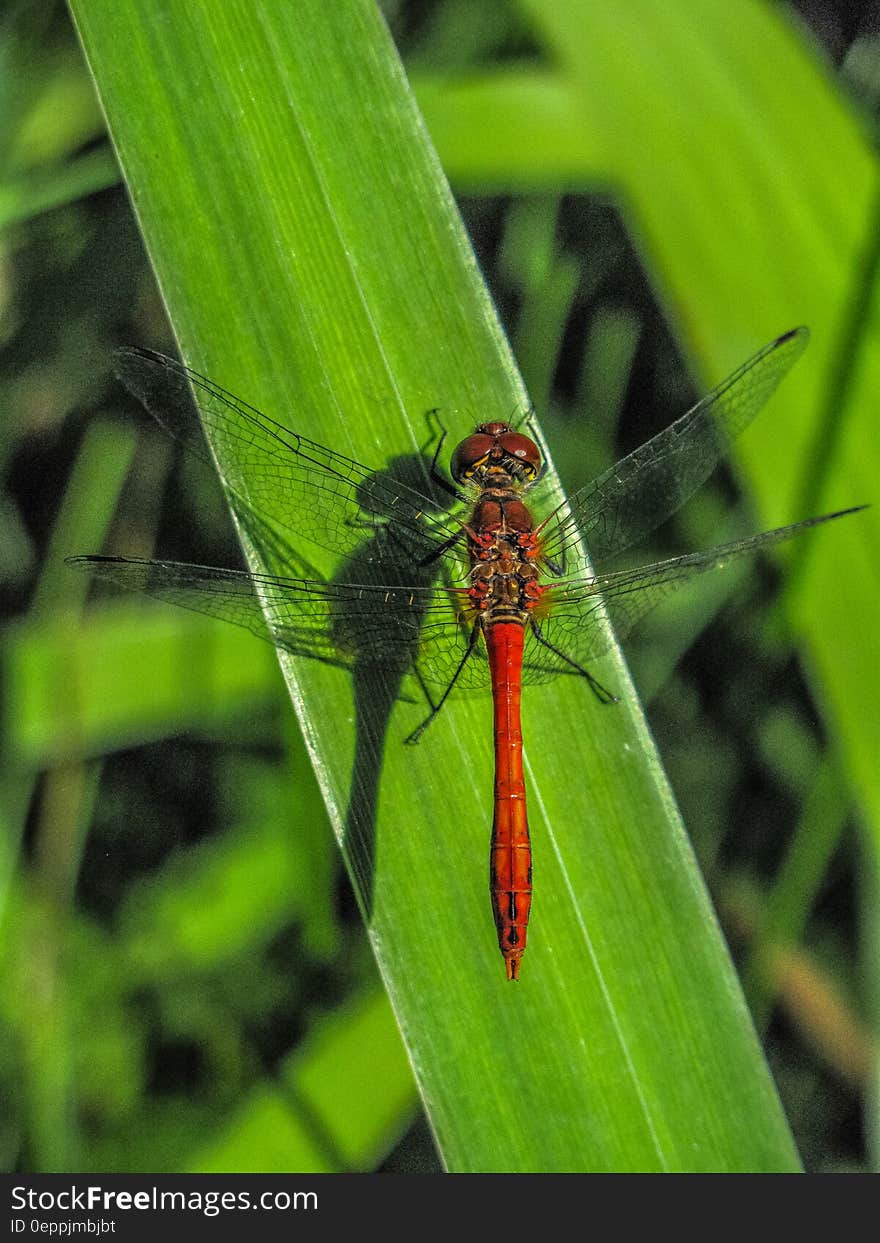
185, 980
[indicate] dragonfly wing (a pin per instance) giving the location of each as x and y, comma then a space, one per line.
647, 487
354, 626
286, 478
577, 608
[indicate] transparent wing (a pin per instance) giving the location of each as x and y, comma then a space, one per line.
642, 490
575, 606
306, 488
400, 628
411, 622
350, 625
397, 629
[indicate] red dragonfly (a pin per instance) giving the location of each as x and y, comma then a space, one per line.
467, 590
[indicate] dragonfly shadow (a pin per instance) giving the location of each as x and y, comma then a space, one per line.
387, 557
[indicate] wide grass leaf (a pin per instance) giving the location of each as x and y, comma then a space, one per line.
313, 262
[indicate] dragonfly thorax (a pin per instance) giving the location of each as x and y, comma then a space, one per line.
504, 576
500, 511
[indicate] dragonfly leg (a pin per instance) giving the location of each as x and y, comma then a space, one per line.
604, 696
436, 553
414, 737
436, 475
529, 420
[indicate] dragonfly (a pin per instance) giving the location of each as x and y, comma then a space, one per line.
461, 585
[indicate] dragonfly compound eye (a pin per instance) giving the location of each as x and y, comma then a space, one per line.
470, 454
522, 449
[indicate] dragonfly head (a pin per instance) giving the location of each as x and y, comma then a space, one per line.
495, 453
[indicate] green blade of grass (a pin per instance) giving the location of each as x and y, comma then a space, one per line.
313, 262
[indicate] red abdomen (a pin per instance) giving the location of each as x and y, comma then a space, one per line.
510, 863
